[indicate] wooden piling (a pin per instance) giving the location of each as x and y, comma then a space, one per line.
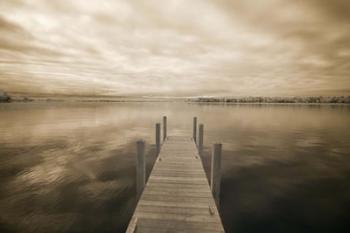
157, 138
200, 139
140, 167
195, 129
215, 178
164, 128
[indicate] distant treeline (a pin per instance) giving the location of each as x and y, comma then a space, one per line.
310, 99
4, 97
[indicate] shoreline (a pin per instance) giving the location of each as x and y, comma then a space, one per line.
293, 100
171, 101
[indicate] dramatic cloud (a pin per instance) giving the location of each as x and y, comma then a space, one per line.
175, 47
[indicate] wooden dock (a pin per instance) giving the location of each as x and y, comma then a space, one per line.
177, 196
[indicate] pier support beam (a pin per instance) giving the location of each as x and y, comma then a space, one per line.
200, 139
215, 177
164, 128
140, 167
157, 138
195, 130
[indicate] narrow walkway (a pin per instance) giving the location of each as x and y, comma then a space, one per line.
177, 196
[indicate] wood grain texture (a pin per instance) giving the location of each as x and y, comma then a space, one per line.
177, 196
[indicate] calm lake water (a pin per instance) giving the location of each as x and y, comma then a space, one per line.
70, 167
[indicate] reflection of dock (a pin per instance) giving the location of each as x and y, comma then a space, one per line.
177, 196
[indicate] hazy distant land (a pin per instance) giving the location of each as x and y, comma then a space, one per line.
7, 98
22, 97
294, 99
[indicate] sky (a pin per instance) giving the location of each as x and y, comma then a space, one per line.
175, 47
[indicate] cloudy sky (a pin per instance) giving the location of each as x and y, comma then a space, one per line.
175, 47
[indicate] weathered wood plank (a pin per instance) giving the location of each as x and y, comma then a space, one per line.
174, 198
181, 217
165, 189
177, 229
173, 224
177, 196
174, 204
181, 194
188, 211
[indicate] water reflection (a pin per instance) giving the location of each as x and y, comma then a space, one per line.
68, 167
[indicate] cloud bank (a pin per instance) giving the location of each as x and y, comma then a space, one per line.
175, 47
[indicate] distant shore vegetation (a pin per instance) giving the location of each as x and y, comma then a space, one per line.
309, 99
6, 98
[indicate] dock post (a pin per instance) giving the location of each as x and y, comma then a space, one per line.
215, 177
164, 128
140, 167
200, 139
195, 130
157, 138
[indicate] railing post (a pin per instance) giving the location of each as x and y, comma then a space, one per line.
140, 168
157, 138
195, 130
164, 128
215, 177
200, 139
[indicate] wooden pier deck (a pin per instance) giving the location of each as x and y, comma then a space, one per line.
177, 196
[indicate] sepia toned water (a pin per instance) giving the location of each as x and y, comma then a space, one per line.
70, 167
